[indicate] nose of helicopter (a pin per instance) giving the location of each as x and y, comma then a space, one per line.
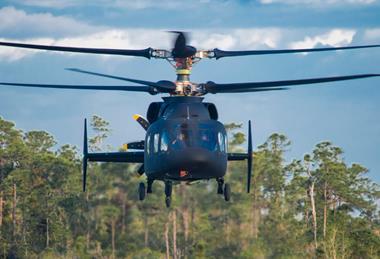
196, 163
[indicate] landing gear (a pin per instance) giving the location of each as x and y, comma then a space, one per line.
220, 185
141, 191
168, 193
227, 192
224, 189
168, 201
150, 183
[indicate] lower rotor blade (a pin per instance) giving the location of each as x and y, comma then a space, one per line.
166, 87
124, 52
212, 87
87, 87
113, 77
224, 53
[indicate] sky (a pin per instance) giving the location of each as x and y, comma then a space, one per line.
345, 113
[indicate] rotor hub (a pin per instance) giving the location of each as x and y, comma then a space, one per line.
183, 68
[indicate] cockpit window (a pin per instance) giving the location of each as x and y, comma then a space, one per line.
147, 145
208, 140
182, 139
164, 142
221, 141
226, 143
155, 142
204, 137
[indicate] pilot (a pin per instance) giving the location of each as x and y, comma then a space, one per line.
179, 141
205, 137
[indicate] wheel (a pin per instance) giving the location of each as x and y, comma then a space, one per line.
227, 192
168, 201
141, 191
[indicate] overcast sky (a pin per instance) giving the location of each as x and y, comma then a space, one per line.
346, 113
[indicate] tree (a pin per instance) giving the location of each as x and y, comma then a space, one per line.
100, 127
316, 206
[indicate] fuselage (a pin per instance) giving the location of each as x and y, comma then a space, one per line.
185, 141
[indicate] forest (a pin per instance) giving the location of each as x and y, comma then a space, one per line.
315, 206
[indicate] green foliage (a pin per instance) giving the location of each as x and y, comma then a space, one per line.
44, 214
100, 127
39, 141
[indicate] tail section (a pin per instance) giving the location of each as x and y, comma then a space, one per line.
243, 156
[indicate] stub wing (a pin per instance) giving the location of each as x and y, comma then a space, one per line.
237, 156
122, 157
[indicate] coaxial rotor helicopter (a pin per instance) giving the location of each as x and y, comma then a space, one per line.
184, 140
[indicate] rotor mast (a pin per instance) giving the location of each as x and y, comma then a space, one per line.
183, 68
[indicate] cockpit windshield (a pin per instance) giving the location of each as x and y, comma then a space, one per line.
208, 139
181, 139
204, 137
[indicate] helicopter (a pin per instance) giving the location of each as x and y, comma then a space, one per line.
184, 140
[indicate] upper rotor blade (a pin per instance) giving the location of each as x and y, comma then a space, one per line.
163, 86
88, 87
254, 86
124, 52
224, 53
256, 90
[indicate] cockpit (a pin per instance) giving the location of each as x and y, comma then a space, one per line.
182, 137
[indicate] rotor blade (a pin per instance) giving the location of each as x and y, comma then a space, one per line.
180, 41
148, 89
113, 77
254, 86
258, 90
163, 86
224, 53
181, 50
124, 52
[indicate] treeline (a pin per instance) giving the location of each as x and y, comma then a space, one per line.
314, 207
